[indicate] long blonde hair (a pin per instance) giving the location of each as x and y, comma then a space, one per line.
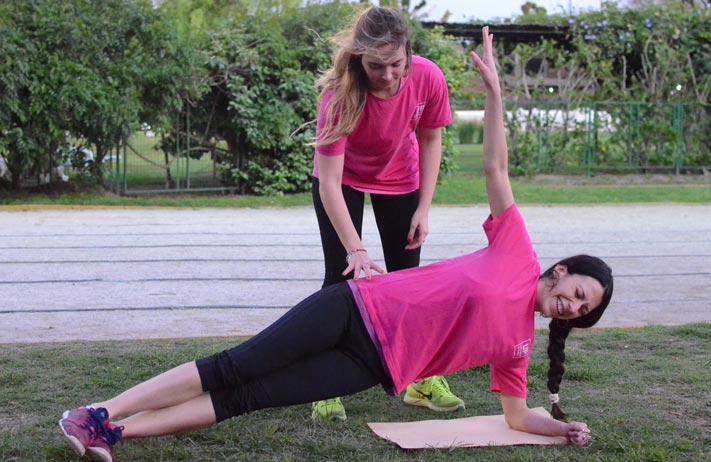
374, 28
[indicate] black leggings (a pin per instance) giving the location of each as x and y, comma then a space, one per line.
319, 349
393, 215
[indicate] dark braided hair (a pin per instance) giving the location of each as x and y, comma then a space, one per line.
560, 329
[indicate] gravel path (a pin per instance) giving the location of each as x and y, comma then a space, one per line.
116, 273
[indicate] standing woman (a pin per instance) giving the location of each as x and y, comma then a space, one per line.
379, 131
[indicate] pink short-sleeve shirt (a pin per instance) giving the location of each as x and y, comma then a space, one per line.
382, 153
464, 312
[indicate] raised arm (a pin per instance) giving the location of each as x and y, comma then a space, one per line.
496, 162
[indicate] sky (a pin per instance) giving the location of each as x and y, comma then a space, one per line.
464, 10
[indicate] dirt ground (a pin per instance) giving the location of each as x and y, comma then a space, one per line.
123, 273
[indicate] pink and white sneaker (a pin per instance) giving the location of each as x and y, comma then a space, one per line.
82, 425
103, 445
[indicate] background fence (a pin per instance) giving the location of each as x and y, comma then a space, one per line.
544, 137
615, 137
149, 163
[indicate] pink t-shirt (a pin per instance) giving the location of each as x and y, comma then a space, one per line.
382, 154
464, 312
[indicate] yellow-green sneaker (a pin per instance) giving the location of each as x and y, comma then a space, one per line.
328, 409
433, 393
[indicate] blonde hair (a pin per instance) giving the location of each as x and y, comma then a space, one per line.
372, 29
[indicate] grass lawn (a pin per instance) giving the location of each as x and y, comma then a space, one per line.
645, 393
147, 165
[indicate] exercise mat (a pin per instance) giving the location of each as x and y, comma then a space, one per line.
489, 430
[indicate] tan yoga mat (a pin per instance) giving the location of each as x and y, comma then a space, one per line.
468, 432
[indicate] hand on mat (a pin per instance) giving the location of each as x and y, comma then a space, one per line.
360, 261
579, 434
486, 64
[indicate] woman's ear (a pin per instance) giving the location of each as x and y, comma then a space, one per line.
559, 271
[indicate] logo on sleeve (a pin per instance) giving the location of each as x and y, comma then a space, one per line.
523, 349
418, 111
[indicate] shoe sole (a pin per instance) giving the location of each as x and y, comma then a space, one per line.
332, 418
99, 454
76, 445
429, 405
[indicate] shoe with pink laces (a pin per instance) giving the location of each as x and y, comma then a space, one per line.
82, 425
103, 445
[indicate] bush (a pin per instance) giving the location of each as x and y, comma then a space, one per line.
469, 132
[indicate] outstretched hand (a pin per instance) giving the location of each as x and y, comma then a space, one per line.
486, 63
361, 262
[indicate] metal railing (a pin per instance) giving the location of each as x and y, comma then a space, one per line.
150, 163
615, 137
544, 137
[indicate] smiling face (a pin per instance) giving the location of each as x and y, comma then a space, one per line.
567, 296
385, 67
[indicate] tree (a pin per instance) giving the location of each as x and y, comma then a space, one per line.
531, 9
260, 94
257, 114
32, 124
14, 78
450, 57
81, 72
649, 57
689, 4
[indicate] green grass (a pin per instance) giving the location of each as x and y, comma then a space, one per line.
459, 191
466, 186
149, 167
195, 200
463, 187
145, 165
645, 393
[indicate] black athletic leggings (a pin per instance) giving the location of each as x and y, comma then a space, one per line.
393, 215
319, 349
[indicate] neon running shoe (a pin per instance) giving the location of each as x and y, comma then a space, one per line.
102, 446
433, 393
328, 409
81, 426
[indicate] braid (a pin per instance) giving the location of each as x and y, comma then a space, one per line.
558, 332
560, 329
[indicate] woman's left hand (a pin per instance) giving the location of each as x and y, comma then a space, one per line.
418, 230
579, 434
486, 62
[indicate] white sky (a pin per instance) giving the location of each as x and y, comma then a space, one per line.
464, 10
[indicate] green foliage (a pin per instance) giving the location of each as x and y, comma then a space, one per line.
263, 70
469, 132
82, 70
449, 57
533, 14
654, 60
647, 54
262, 93
85, 72
194, 19
290, 173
